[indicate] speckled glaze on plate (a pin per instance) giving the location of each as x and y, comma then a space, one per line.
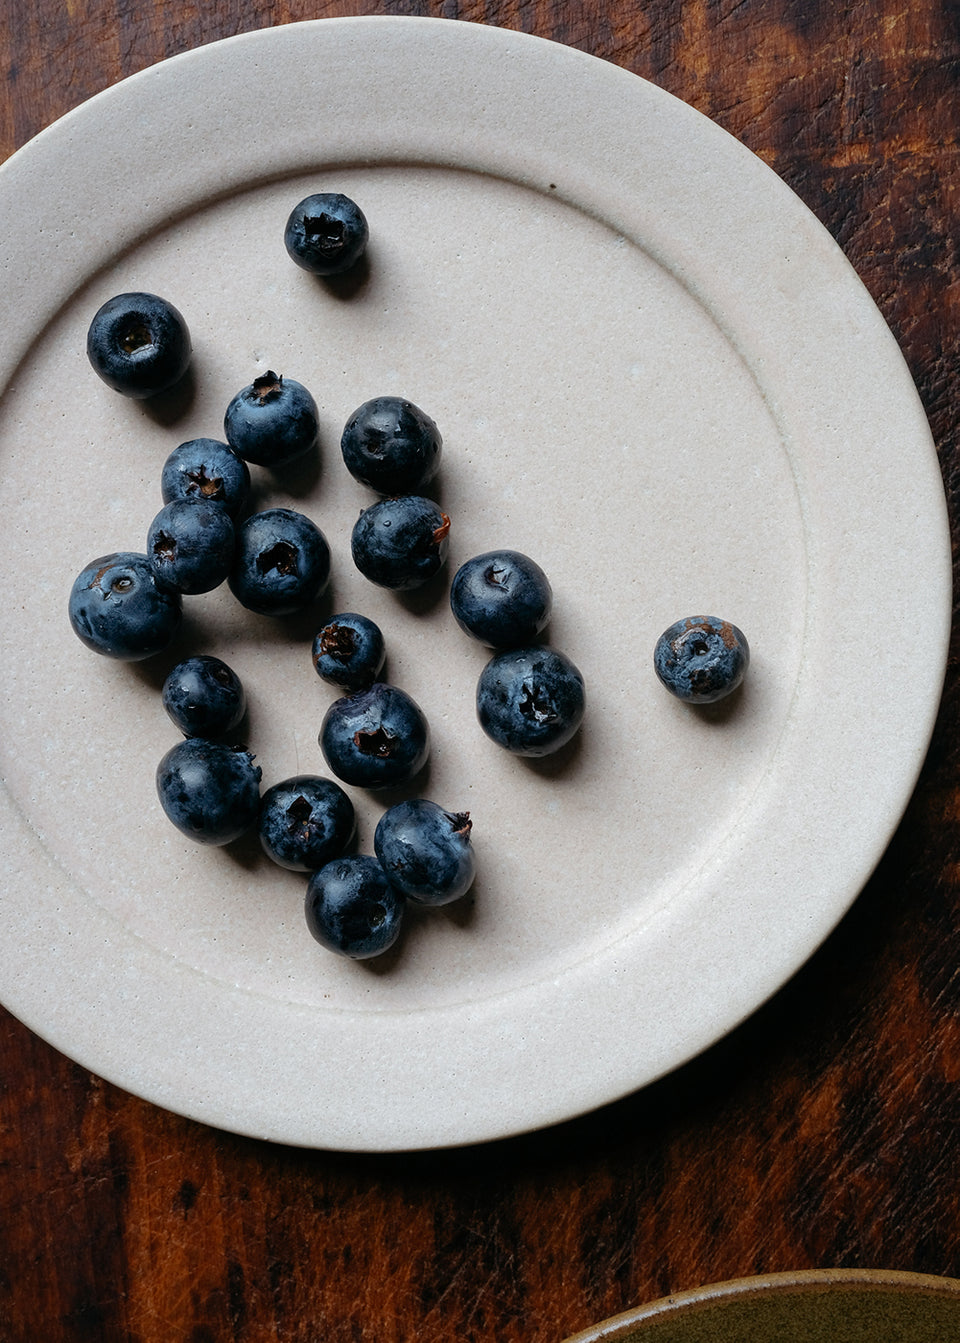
810, 1306
656, 374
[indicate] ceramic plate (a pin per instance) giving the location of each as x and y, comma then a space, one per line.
656, 374
812, 1306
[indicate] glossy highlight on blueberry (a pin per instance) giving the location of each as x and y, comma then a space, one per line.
530, 701
502, 597
305, 822
139, 344
326, 233
426, 851
391, 445
701, 659
117, 608
376, 738
209, 791
352, 909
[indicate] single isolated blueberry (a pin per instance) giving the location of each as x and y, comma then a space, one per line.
138, 344
391, 445
701, 659
352, 909
530, 700
210, 791
205, 468
349, 651
426, 851
326, 233
118, 608
204, 697
375, 738
282, 562
190, 544
305, 822
400, 543
272, 422
502, 598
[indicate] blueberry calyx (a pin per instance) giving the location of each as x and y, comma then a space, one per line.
701, 659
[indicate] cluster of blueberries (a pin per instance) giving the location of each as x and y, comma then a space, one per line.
128, 605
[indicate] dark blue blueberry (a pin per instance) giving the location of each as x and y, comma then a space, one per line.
375, 738
272, 422
426, 851
282, 562
305, 822
117, 608
205, 468
204, 697
349, 651
211, 792
701, 659
530, 700
352, 909
138, 344
391, 445
326, 233
400, 543
190, 545
502, 598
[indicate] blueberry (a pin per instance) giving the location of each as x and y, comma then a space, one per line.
391, 445
190, 545
204, 697
305, 822
117, 608
426, 851
375, 738
326, 233
701, 659
211, 792
272, 422
349, 651
352, 909
530, 700
205, 468
282, 562
138, 344
400, 543
502, 598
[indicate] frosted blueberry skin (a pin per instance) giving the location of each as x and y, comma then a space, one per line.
426, 851
530, 701
503, 598
352, 909
375, 738
349, 651
400, 543
701, 659
281, 564
272, 422
305, 822
326, 233
205, 468
204, 697
139, 344
209, 791
391, 445
117, 608
190, 545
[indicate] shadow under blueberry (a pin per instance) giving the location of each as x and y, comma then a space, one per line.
166, 408
350, 283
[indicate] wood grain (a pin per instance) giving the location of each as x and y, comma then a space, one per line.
826, 1130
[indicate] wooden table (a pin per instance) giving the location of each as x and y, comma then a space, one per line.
822, 1133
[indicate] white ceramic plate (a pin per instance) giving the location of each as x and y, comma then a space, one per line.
655, 373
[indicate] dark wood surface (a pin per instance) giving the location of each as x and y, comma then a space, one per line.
826, 1131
